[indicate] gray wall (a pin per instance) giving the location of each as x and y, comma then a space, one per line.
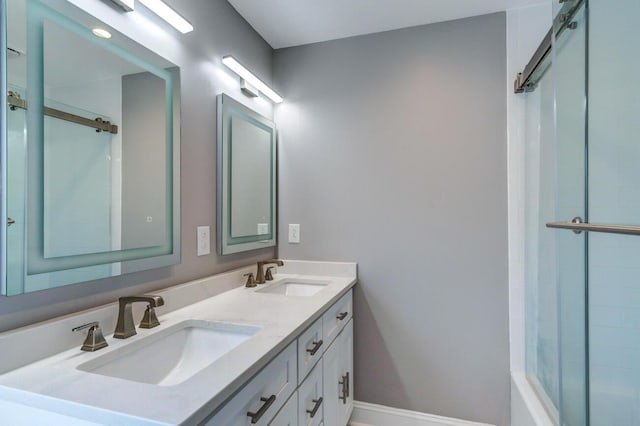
219, 31
393, 154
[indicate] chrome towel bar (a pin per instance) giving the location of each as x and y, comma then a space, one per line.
577, 226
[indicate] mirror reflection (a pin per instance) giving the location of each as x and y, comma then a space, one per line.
92, 151
246, 178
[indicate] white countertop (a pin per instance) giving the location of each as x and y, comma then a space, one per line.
54, 384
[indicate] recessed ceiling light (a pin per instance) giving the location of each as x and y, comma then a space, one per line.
101, 32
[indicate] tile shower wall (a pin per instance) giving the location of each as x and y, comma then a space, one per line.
614, 270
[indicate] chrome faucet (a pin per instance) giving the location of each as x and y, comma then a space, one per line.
125, 327
260, 278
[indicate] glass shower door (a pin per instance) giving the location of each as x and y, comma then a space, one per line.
571, 196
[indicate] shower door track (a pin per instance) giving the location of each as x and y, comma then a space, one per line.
15, 101
527, 80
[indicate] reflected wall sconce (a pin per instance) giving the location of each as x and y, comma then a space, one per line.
249, 82
161, 9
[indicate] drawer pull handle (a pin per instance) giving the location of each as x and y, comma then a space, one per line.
314, 410
267, 403
316, 346
345, 388
342, 315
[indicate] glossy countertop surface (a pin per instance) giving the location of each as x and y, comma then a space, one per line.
55, 384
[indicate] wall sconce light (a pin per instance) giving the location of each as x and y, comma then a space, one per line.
161, 9
248, 77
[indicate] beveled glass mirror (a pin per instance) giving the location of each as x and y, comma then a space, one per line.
246, 190
91, 187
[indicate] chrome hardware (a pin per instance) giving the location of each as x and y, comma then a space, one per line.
95, 339
250, 281
149, 319
125, 327
268, 275
316, 346
255, 417
260, 279
314, 410
577, 226
342, 315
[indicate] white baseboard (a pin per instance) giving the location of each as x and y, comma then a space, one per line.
365, 414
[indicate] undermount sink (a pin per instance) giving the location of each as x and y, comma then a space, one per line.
173, 355
295, 287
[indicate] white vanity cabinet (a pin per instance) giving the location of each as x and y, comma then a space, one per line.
338, 378
311, 398
310, 383
288, 416
261, 398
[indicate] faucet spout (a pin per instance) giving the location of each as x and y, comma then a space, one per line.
260, 278
125, 327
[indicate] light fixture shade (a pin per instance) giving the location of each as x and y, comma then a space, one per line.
161, 9
244, 73
126, 5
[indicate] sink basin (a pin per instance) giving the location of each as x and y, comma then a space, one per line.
173, 355
295, 287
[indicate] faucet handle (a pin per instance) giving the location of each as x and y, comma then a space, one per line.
269, 275
95, 340
150, 319
250, 281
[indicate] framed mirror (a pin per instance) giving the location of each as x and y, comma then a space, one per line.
246, 191
92, 144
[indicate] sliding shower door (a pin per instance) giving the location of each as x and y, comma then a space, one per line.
570, 72
556, 191
614, 198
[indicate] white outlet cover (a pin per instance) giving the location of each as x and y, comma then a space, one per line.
204, 240
294, 233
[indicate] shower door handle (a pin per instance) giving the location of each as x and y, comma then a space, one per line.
577, 226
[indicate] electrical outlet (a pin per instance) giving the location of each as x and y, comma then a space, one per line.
204, 240
263, 228
294, 233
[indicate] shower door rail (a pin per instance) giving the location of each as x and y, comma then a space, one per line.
577, 226
15, 101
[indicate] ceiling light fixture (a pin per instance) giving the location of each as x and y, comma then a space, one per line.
161, 9
254, 81
101, 32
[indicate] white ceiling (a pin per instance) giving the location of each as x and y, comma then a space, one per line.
285, 23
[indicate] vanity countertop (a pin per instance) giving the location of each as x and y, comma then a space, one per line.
54, 384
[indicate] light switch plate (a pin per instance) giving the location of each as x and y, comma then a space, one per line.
294, 233
204, 240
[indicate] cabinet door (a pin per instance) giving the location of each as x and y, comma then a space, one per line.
311, 398
335, 318
310, 346
288, 416
338, 378
262, 396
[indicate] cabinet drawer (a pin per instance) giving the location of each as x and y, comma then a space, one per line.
310, 348
334, 320
288, 416
311, 399
261, 398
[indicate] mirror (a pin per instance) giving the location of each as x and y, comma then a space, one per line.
92, 147
246, 178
